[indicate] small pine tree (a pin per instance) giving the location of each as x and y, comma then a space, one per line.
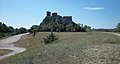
51, 38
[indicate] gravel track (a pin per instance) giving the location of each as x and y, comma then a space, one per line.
8, 44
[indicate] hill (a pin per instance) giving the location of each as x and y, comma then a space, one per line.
71, 48
55, 18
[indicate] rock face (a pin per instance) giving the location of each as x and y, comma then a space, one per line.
67, 19
55, 18
58, 23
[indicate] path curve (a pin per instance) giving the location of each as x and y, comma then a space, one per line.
8, 44
113, 33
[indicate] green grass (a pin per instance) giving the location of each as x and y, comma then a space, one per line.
71, 48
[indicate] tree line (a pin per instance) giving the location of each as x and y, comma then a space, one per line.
116, 29
70, 28
60, 28
9, 30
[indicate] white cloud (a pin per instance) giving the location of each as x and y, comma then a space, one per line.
93, 8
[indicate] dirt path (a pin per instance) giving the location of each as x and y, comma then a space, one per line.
8, 43
114, 33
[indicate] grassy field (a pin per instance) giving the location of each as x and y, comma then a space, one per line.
71, 48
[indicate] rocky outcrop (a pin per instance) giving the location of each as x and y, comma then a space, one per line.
55, 18
58, 23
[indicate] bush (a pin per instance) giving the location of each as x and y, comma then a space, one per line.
2, 35
51, 38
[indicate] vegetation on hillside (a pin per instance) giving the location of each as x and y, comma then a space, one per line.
104, 30
118, 27
71, 48
60, 28
9, 30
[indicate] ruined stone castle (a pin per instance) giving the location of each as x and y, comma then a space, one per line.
55, 18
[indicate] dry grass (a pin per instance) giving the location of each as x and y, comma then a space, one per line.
2, 51
71, 48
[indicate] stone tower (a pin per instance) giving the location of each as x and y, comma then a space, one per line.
48, 13
54, 14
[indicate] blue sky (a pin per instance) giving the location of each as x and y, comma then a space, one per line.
95, 13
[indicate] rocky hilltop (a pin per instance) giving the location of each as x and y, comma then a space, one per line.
58, 23
55, 18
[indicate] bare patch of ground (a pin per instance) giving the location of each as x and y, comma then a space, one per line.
7, 44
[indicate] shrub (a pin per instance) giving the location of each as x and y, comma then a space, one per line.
51, 38
2, 35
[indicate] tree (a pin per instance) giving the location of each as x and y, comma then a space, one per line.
4, 28
35, 27
0, 27
45, 27
51, 38
69, 27
88, 28
118, 27
17, 31
77, 27
10, 29
23, 30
